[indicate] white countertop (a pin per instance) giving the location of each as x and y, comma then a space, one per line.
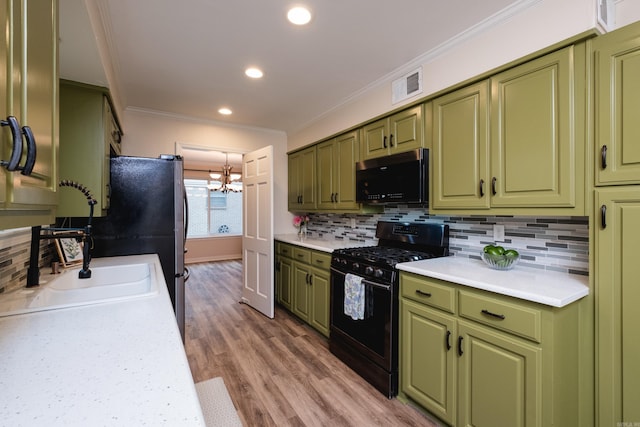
324, 245
111, 364
541, 286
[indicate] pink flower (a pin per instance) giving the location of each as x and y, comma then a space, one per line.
300, 220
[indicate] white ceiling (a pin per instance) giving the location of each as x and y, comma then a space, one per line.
188, 57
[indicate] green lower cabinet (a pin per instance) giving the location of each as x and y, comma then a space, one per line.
284, 270
468, 368
499, 383
319, 294
300, 306
428, 371
303, 284
618, 343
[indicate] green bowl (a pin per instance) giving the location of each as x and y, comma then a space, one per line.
500, 262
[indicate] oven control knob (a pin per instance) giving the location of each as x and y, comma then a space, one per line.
343, 261
355, 266
368, 270
378, 272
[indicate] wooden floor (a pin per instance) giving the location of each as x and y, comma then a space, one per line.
279, 372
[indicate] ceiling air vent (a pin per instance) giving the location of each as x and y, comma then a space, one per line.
406, 86
606, 14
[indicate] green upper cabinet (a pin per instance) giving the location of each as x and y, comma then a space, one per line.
399, 132
516, 141
29, 72
618, 296
460, 148
533, 140
336, 181
302, 180
89, 135
617, 103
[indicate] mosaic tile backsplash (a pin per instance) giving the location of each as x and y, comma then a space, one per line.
550, 243
15, 248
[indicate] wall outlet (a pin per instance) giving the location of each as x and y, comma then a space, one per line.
498, 232
353, 223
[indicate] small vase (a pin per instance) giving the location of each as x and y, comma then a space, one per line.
302, 231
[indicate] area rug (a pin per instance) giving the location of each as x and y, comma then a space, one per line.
216, 404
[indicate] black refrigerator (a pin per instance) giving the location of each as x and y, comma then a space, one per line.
147, 215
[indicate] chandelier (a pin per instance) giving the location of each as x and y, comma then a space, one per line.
229, 182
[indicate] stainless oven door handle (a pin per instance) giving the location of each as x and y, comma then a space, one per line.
364, 281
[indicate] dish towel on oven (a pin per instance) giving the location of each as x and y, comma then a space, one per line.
353, 296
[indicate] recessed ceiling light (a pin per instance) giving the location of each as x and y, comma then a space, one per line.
253, 72
299, 15
225, 111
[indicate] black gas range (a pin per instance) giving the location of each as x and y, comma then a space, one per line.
364, 328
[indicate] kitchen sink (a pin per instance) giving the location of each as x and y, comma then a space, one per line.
107, 283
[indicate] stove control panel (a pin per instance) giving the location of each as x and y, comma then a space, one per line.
364, 269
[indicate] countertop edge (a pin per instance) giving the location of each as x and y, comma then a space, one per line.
319, 244
574, 290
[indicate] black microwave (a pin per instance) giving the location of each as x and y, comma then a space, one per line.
398, 178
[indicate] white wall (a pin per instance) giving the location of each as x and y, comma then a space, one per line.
542, 24
627, 11
149, 134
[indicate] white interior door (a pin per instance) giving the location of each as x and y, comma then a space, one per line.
257, 238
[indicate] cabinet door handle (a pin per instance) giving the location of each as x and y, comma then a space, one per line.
16, 136
603, 216
278, 264
603, 157
447, 340
384, 141
481, 187
423, 293
460, 352
306, 278
311, 279
493, 185
391, 140
497, 316
336, 199
31, 151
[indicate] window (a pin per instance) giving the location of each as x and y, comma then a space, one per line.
212, 213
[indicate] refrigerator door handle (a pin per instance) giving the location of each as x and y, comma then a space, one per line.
186, 212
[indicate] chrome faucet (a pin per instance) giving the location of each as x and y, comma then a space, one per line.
82, 234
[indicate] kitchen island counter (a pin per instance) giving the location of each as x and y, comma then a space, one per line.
118, 363
541, 286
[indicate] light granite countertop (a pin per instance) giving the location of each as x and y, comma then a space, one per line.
545, 287
319, 244
541, 286
110, 364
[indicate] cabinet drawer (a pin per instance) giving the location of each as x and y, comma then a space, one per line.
505, 315
428, 292
302, 255
284, 249
321, 260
